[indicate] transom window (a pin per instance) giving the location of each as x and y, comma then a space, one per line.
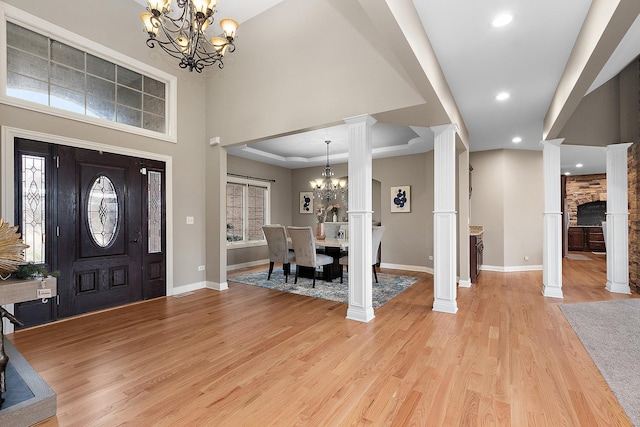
51, 70
46, 71
247, 211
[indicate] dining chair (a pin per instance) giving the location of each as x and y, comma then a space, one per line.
376, 238
305, 248
279, 250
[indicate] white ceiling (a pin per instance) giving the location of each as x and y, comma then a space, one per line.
525, 58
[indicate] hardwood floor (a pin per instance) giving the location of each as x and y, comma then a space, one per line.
253, 356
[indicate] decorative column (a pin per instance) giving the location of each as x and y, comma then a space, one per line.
444, 219
360, 216
617, 226
552, 239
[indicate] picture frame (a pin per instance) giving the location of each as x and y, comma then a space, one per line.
401, 198
306, 202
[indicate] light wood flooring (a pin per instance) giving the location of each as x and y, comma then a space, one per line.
251, 356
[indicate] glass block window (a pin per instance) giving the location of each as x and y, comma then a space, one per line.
49, 72
247, 211
33, 208
154, 208
102, 211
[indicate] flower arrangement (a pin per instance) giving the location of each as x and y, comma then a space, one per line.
320, 215
333, 208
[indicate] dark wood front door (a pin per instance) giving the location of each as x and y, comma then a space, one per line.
100, 229
108, 232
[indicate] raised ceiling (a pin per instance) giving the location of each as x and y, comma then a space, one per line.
526, 58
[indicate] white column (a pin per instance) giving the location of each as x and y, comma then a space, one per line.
444, 219
617, 234
360, 216
552, 239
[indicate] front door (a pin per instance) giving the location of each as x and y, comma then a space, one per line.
100, 229
106, 215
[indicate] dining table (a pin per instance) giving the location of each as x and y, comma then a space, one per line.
335, 248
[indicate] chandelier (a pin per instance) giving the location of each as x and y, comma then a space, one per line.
327, 187
183, 37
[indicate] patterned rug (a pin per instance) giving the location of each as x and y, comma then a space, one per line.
388, 286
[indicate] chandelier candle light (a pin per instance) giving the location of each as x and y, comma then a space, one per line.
183, 37
327, 187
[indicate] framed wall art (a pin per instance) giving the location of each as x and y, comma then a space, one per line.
306, 202
401, 198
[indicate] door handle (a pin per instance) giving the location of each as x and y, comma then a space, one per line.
138, 238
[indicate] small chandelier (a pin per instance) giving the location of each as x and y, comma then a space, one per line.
328, 188
184, 37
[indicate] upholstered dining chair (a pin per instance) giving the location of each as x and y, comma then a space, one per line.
376, 238
305, 249
279, 250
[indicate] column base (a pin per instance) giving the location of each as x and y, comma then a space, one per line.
445, 306
360, 314
464, 283
552, 292
618, 288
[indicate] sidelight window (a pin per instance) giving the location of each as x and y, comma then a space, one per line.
154, 201
34, 207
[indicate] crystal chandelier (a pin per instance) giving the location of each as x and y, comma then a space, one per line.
183, 37
327, 187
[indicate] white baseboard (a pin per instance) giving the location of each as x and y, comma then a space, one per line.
200, 285
188, 288
418, 268
510, 269
217, 286
247, 264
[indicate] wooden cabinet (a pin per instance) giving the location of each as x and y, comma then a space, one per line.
576, 240
475, 258
586, 239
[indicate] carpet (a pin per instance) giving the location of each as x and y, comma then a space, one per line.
388, 286
610, 334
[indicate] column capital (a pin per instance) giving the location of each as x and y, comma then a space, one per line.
623, 146
366, 118
440, 129
549, 142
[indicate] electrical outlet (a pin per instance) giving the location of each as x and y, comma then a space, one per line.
526, 258
201, 268
190, 220
430, 257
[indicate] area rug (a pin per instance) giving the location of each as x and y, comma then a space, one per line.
388, 286
609, 332
578, 257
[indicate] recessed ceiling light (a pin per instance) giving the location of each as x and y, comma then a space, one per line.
502, 20
579, 165
567, 173
516, 139
502, 96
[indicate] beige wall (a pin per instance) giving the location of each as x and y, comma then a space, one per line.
289, 73
187, 153
408, 238
508, 200
281, 202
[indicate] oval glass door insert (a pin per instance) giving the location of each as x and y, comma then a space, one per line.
102, 211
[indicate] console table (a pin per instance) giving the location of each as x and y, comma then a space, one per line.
36, 401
